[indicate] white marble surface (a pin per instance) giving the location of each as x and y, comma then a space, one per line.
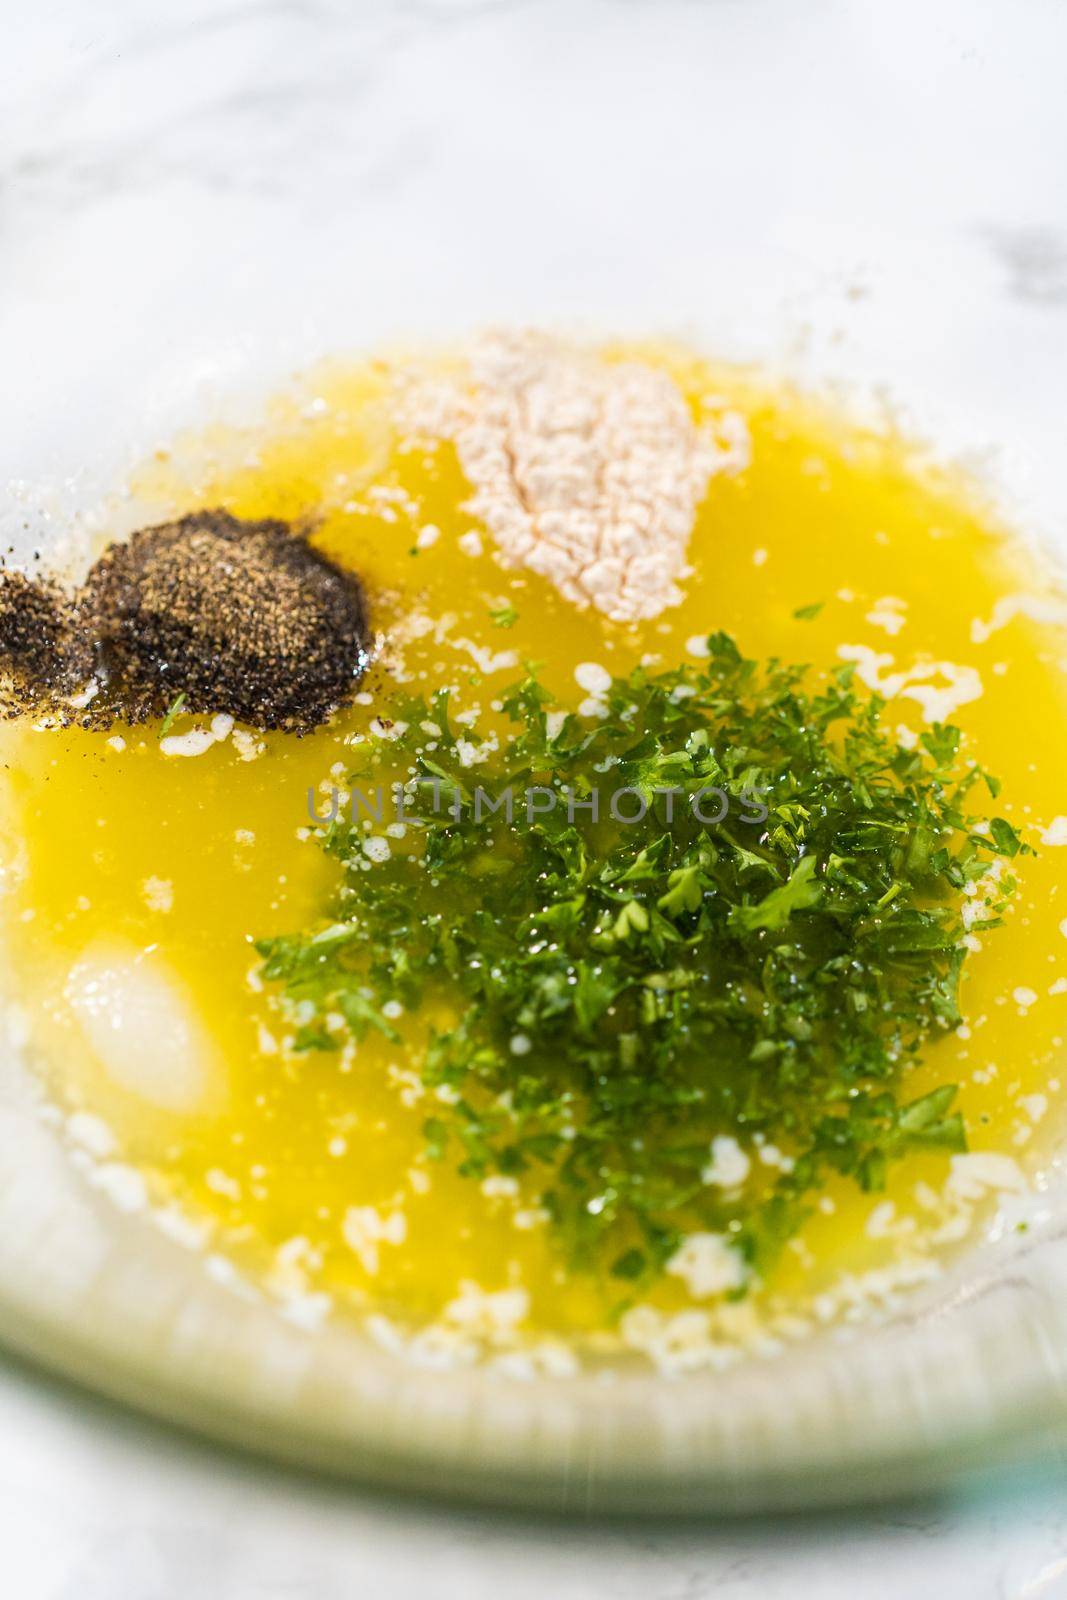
95, 1505
196, 196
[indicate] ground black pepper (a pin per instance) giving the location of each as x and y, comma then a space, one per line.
241, 617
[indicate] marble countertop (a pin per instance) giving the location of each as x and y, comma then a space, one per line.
97, 1505
196, 197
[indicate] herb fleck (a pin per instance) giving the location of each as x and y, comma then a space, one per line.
173, 712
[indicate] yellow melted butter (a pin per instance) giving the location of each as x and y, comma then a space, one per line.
281, 1146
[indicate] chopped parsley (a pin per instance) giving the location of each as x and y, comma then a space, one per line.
172, 714
618, 994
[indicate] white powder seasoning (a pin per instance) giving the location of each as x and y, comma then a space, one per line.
586, 471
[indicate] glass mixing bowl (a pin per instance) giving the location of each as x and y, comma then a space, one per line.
195, 204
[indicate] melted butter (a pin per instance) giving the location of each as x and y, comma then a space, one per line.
171, 866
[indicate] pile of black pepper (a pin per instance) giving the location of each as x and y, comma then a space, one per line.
240, 617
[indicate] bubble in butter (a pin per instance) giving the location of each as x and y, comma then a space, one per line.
141, 1028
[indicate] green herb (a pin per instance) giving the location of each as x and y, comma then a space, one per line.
173, 711
623, 993
504, 617
809, 613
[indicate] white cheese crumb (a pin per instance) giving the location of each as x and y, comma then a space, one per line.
529, 1218
729, 1165
124, 1186
880, 1221
888, 614
85, 696
707, 1264
550, 1359
486, 660
1039, 608
191, 1233
675, 1344
592, 677
387, 730
91, 1133
499, 1186
486, 1315
116, 742
193, 743
1035, 1106
771, 1156
976, 1171
220, 1182
246, 744
158, 894
1056, 832
307, 1311
471, 754
365, 1230
960, 684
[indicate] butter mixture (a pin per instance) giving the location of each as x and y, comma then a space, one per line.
593, 515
